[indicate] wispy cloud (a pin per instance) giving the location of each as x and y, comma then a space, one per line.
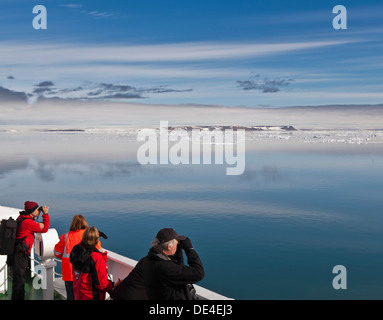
87, 91
13, 53
43, 87
104, 91
91, 12
265, 85
99, 14
71, 5
214, 71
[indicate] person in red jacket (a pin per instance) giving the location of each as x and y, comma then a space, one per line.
90, 272
64, 247
25, 236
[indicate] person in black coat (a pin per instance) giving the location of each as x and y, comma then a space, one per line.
164, 273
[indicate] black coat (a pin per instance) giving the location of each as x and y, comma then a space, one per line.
166, 277
133, 286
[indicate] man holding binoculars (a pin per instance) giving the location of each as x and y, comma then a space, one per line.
25, 236
165, 275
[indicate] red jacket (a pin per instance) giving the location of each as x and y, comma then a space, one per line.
28, 227
63, 249
90, 276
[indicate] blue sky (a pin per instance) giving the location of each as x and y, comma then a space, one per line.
270, 53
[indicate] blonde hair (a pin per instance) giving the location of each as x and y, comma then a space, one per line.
90, 236
78, 223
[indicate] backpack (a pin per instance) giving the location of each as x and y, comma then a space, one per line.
8, 230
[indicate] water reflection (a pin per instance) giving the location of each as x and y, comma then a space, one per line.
285, 222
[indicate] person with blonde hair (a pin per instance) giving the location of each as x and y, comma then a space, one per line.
64, 247
90, 271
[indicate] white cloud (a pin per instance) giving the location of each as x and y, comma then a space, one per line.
71, 5
12, 53
99, 14
210, 69
323, 95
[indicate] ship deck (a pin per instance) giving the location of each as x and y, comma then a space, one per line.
118, 268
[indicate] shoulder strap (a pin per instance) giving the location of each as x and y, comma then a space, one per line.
19, 223
18, 228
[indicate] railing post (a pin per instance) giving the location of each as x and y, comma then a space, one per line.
48, 292
3, 274
33, 260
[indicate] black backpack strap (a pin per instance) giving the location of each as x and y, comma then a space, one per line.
21, 240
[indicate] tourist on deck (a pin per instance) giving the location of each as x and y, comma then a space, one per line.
90, 275
165, 275
20, 260
64, 247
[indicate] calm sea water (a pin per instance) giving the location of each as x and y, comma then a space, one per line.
275, 232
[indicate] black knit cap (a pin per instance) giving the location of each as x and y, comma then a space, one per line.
167, 234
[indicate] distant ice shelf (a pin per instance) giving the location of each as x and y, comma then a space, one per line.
259, 133
321, 136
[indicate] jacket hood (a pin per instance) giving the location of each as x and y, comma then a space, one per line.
80, 257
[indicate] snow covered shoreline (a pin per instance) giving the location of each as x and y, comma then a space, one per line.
253, 133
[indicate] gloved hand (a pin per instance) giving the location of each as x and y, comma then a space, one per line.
186, 245
102, 234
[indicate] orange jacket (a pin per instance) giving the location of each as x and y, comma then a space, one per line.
63, 249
